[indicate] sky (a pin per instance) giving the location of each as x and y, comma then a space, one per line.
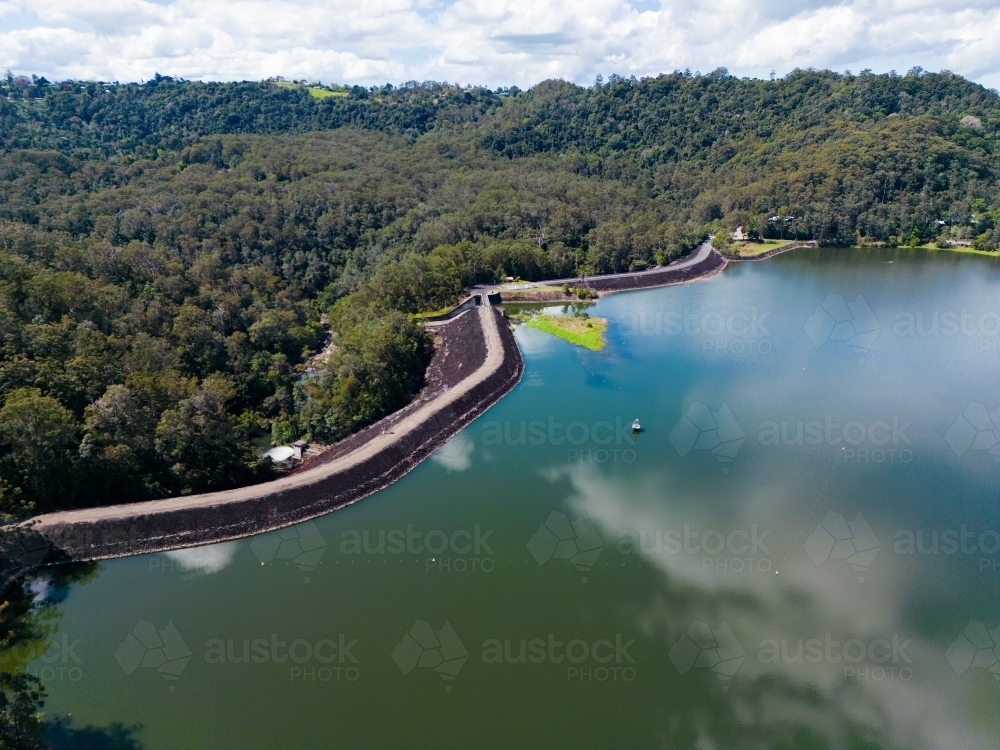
491, 42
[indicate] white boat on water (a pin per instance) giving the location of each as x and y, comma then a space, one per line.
636, 427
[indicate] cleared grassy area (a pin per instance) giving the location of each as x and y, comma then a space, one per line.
585, 332
759, 248
319, 93
527, 286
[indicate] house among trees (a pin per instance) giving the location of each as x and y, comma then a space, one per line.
740, 236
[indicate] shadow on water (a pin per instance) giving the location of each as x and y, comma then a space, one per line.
28, 607
60, 734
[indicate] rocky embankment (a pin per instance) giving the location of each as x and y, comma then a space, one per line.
703, 263
711, 265
476, 362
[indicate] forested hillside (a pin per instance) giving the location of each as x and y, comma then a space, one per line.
172, 253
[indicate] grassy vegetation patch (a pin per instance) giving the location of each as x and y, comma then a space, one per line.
325, 93
432, 313
759, 248
317, 92
581, 330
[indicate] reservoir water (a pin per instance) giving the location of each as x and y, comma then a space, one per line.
801, 549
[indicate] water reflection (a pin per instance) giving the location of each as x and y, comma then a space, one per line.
456, 454
805, 592
812, 652
32, 652
62, 734
205, 560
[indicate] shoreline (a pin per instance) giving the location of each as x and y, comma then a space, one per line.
363, 463
472, 373
394, 446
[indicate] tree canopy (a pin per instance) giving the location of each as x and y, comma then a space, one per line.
173, 253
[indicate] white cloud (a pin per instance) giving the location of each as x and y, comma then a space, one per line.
493, 42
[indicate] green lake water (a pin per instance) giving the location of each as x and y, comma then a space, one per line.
801, 548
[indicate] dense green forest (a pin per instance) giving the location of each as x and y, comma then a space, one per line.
173, 253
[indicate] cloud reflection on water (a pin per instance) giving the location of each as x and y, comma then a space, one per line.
456, 454
205, 560
928, 706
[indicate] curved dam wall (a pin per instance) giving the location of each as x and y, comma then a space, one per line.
141, 532
711, 265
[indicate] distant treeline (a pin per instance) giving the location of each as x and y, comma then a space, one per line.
172, 253
877, 154
92, 120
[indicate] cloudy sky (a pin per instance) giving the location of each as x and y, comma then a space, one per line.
491, 42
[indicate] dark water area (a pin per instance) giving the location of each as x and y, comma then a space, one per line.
800, 549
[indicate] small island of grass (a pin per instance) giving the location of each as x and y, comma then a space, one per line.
581, 330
